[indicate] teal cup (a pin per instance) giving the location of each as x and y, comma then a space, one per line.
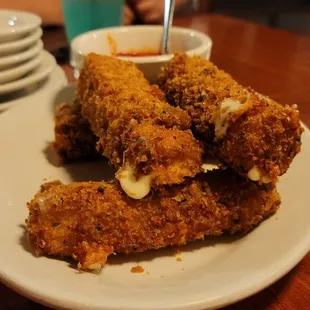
85, 15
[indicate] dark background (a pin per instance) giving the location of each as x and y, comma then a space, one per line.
291, 15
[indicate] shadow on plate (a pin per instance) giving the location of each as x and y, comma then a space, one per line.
65, 95
96, 170
51, 156
172, 251
90, 171
23, 241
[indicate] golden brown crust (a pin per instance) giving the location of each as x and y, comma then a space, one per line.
91, 220
126, 113
74, 139
262, 134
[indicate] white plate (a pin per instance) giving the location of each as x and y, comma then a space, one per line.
213, 273
38, 90
46, 66
20, 70
15, 24
8, 48
12, 60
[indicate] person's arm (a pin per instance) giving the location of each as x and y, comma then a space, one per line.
50, 11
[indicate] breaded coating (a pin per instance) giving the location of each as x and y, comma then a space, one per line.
74, 139
247, 131
135, 127
91, 220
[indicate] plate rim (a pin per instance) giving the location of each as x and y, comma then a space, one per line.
20, 70
36, 77
16, 45
21, 29
32, 51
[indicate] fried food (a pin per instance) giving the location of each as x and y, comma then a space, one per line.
91, 220
247, 131
142, 135
74, 140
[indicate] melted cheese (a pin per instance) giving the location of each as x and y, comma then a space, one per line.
134, 188
255, 175
221, 123
210, 165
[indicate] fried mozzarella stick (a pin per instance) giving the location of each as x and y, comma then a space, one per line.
91, 220
148, 140
249, 132
74, 139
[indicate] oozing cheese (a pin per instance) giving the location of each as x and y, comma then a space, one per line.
134, 188
255, 175
221, 123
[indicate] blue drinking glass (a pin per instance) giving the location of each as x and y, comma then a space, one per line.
85, 15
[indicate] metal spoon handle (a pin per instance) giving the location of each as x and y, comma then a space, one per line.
168, 18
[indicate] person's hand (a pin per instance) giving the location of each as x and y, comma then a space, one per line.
128, 15
152, 11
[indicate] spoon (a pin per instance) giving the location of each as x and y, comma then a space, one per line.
168, 18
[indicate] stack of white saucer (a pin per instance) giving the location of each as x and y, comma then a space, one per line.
23, 61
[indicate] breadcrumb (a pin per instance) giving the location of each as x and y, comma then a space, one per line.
137, 269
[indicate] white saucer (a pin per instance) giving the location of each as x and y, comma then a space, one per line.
12, 60
212, 274
20, 70
46, 66
40, 89
16, 24
8, 48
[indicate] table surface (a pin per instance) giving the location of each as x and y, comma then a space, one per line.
273, 62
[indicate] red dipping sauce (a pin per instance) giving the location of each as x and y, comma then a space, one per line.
144, 52
139, 53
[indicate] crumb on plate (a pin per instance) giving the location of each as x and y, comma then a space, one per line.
137, 269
